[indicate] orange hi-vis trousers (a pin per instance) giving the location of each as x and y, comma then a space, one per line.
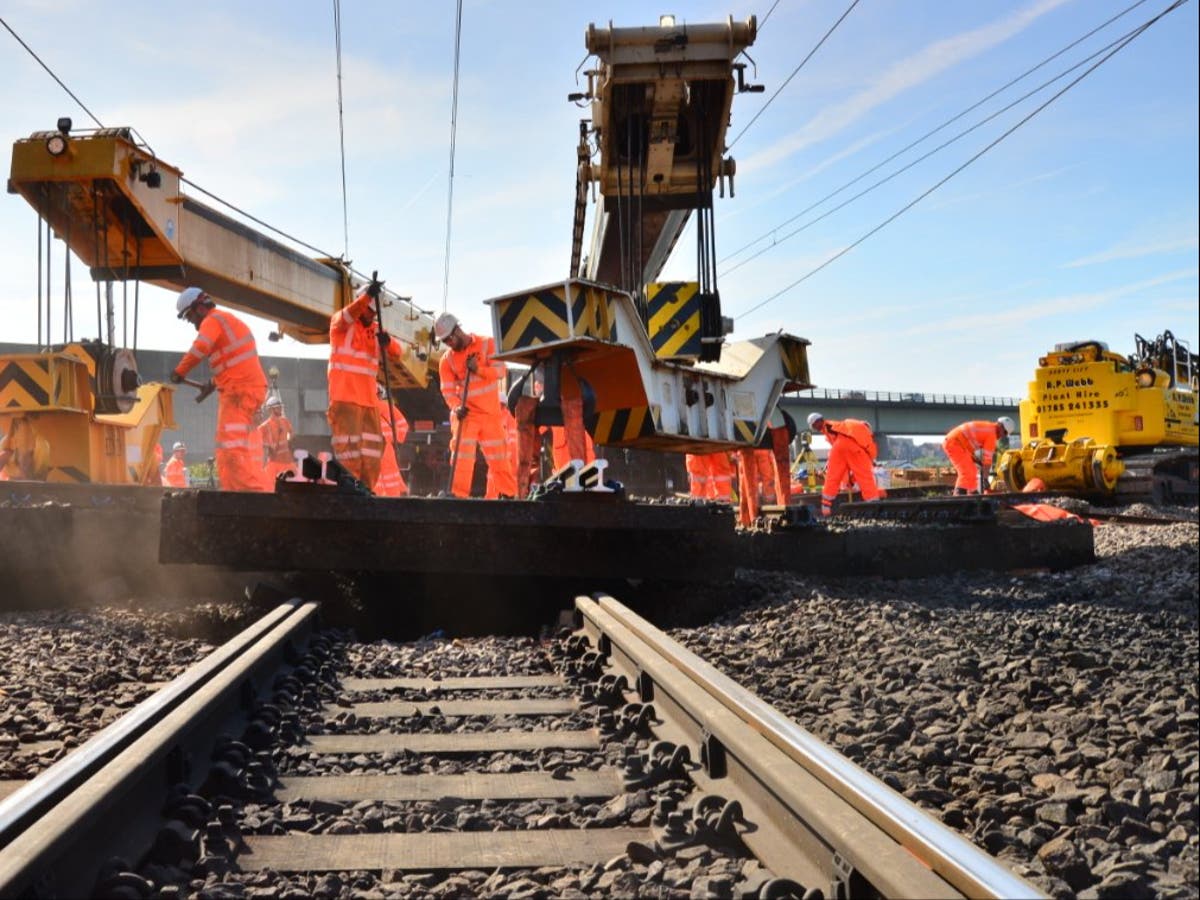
357, 439
845, 455
964, 464
238, 468
479, 432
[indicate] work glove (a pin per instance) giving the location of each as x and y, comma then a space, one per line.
176, 378
384, 339
461, 412
473, 363
978, 454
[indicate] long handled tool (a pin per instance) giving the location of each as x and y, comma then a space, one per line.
375, 288
462, 404
204, 387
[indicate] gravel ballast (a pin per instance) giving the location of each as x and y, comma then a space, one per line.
1051, 717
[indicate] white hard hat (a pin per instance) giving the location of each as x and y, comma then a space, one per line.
445, 324
274, 400
1007, 424
188, 298
814, 418
178, 445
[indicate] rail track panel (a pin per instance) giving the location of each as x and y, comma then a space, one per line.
623, 760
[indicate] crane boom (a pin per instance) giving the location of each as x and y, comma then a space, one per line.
661, 98
123, 212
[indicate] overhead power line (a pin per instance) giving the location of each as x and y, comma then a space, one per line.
50, 72
816, 47
924, 156
337, 39
453, 140
1121, 45
930, 134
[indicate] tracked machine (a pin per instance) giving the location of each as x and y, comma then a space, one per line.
1111, 427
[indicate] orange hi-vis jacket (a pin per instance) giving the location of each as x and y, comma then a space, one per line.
276, 437
175, 473
855, 430
226, 342
354, 355
483, 394
972, 436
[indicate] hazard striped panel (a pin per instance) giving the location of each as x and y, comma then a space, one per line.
674, 319
26, 383
744, 430
545, 317
616, 426
42, 381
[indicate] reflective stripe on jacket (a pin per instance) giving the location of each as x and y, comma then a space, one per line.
854, 429
354, 355
976, 435
228, 345
483, 393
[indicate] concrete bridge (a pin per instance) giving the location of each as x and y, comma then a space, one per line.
894, 413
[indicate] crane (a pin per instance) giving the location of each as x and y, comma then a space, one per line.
123, 212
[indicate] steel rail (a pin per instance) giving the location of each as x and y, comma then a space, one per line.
33, 799
963, 866
104, 815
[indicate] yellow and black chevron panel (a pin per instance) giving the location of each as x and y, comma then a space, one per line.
26, 383
592, 309
744, 430
619, 426
533, 319
795, 360
674, 319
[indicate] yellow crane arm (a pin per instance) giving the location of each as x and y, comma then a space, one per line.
123, 212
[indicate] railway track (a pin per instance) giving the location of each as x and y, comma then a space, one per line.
620, 760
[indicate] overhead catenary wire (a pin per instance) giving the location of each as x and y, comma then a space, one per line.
1121, 45
924, 156
935, 130
50, 72
768, 15
453, 141
337, 39
316, 251
808, 56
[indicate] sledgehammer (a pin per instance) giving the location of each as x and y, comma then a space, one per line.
204, 387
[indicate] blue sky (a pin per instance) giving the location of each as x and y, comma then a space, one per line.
1082, 224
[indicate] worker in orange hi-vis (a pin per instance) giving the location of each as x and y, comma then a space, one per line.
510, 447
972, 444
697, 470
175, 473
851, 448
391, 481
276, 432
561, 449
720, 476
354, 343
227, 343
471, 382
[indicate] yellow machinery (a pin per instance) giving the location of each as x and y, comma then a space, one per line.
122, 211
78, 414
1099, 423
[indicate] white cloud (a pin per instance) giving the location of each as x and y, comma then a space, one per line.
1131, 250
909, 73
